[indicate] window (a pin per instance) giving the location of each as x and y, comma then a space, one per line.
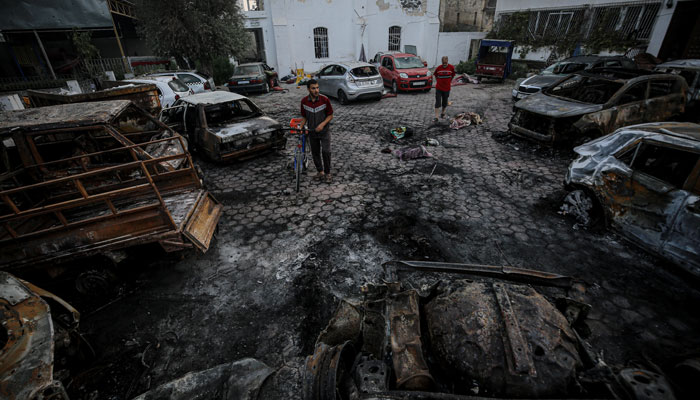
251, 5
321, 42
395, 38
665, 163
326, 71
637, 92
386, 62
660, 88
187, 78
338, 70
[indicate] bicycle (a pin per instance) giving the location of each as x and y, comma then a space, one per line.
300, 161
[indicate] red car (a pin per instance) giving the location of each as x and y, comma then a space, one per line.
403, 71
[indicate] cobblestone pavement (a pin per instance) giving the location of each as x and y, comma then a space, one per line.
281, 260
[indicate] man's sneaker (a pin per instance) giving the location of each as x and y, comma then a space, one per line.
319, 175
329, 178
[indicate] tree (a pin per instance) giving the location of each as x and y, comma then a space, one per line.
195, 30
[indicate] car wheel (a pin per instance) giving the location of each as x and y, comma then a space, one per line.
583, 206
342, 98
266, 88
394, 87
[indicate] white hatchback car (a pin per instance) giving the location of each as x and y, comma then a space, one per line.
197, 81
169, 89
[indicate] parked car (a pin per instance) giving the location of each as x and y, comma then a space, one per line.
690, 71
252, 77
558, 70
494, 58
593, 103
644, 181
169, 89
402, 71
197, 81
224, 126
350, 81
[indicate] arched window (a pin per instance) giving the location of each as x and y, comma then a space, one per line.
321, 42
395, 38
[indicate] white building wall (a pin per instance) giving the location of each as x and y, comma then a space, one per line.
288, 29
456, 45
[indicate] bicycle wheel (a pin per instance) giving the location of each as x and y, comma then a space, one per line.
298, 166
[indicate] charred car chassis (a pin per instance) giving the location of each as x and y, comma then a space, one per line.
78, 180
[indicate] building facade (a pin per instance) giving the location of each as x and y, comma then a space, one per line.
467, 15
292, 34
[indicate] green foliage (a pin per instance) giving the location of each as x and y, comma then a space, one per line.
466, 67
518, 70
83, 44
515, 27
199, 30
223, 70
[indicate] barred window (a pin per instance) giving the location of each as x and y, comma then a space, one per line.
395, 38
321, 42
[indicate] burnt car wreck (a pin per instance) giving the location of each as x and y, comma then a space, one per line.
465, 339
644, 181
590, 104
79, 180
224, 126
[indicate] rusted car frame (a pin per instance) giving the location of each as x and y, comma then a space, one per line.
590, 104
81, 179
646, 181
224, 126
143, 95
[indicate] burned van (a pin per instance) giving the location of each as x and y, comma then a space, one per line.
224, 126
590, 104
78, 180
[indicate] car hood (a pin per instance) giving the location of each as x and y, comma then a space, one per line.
541, 81
249, 127
413, 71
557, 107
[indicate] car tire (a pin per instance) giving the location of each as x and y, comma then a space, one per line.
266, 88
394, 87
342, 98
583, 206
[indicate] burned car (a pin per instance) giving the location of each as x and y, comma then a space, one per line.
590, 104
224, 126
644, 181
80, 180
690, 71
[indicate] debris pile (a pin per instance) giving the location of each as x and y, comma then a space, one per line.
465, 119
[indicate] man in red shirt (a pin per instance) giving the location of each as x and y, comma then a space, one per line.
317, 113
443, 83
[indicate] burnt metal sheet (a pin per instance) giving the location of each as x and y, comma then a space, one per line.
61, 116
645, 385
202, 222
502, 272
215, 97
51, 14
410, 367
26, 357
144, 95
470, 336
238, 380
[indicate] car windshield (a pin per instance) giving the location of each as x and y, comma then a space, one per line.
246, 70
563, 67
177, 86
225, 113
364, 71
586, 89
408, 62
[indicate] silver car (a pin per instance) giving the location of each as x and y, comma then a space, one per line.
350, 81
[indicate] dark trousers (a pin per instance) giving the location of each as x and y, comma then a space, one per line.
441, 98
321, 148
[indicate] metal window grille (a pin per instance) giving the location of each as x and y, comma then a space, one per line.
251, 5
321, 42
395, 38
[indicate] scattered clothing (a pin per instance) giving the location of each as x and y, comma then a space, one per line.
432, 142
464, 79
401, 132
410, 153
465, 119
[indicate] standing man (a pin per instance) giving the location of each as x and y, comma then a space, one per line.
317, 113
443, 83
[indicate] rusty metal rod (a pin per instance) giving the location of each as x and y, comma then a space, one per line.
501, 272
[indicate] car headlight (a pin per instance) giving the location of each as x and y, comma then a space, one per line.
515, 92
428, 74
403, 75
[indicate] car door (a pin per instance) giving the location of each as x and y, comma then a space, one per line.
665, 100
630, 106
683, 241
335, 79
386, 70
645, 191
323, 78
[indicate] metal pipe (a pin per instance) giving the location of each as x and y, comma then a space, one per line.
48, 62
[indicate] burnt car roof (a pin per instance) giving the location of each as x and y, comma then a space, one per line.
690, 63
592, 57
684, 130
215, 97
64, 115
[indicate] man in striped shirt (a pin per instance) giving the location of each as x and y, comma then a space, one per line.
317, 113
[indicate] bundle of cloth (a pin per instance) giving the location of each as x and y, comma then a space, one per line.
465, 119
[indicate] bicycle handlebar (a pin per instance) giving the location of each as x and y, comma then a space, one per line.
297, 130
